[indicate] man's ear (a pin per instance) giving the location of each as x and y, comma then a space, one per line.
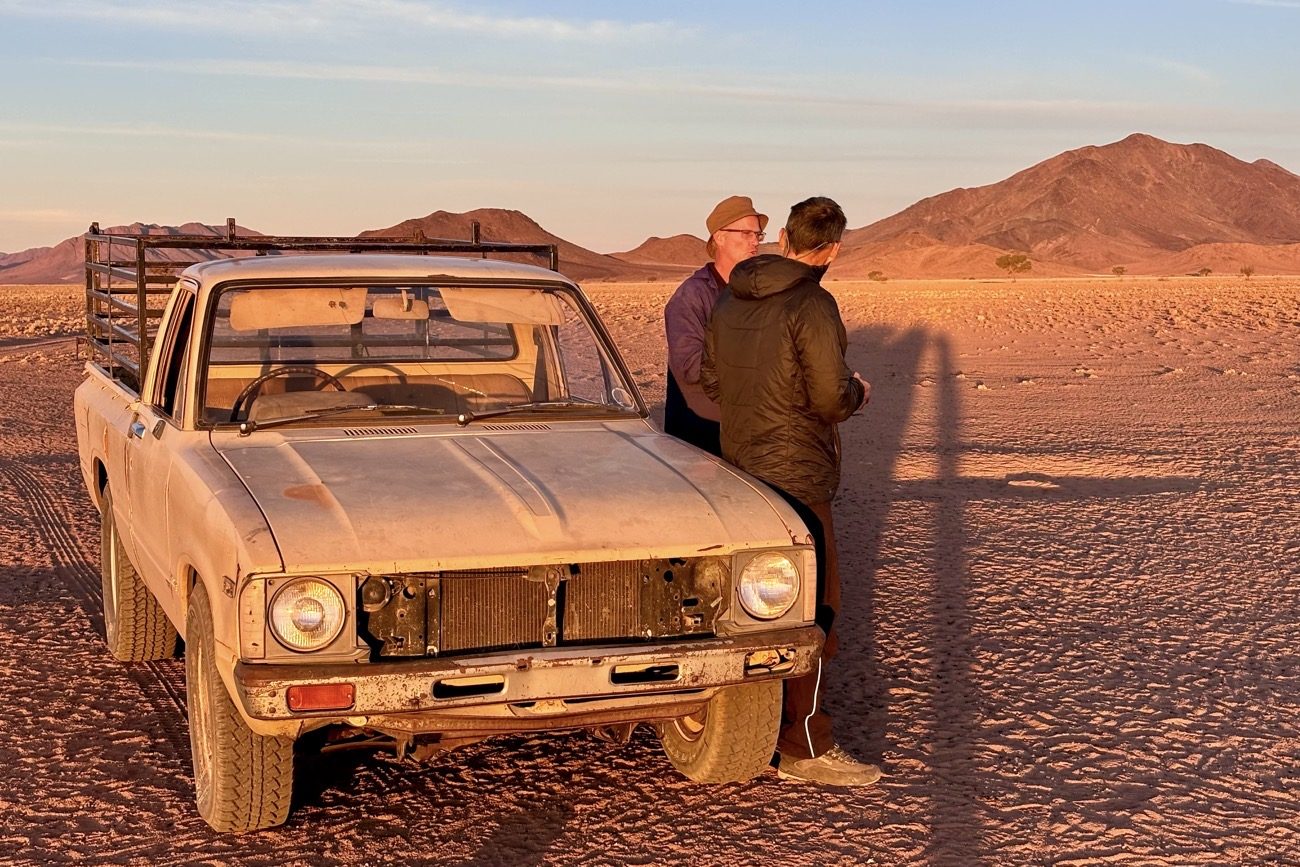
833, 252
783, 242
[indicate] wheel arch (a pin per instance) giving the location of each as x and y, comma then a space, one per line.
100, 474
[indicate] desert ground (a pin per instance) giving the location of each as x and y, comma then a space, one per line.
1070, 538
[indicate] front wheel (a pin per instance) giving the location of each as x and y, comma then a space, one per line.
242, 780
732, 739
136, 628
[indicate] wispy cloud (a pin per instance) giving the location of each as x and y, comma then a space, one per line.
1279, 4
835, 103
146, 131
1184, 70
340, 17
28, 134
40, 215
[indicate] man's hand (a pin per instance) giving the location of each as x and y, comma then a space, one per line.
866, 390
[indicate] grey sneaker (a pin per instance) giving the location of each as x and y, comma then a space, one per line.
832, 768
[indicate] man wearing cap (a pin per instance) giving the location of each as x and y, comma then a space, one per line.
774, 360
735, 231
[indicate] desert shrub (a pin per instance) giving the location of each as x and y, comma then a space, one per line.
1118, 270
1247, 271
1014, 263
877, 276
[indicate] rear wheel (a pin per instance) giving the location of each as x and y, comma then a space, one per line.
136, 628
242, 780
732, 739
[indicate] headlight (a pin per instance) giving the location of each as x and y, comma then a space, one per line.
306, 614
769, 585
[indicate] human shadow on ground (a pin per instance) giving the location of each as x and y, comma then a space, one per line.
871, 444
892, 361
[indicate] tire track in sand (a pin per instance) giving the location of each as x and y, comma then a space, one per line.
161, 682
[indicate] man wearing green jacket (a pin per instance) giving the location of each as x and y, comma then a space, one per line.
775, 364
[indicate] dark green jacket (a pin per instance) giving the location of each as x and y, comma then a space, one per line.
774, 362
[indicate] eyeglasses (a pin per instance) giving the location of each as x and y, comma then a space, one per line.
748, 233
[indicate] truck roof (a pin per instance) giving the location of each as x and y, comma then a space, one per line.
367, 266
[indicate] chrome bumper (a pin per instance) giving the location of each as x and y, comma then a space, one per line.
518, 682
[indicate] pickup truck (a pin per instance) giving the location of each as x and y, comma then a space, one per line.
400, 492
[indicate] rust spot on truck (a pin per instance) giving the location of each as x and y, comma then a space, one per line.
308, 493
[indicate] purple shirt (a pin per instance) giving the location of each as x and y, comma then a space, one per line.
686, 324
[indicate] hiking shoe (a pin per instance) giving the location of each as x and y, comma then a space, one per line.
832, 768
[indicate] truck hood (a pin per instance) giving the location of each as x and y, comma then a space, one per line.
473, 498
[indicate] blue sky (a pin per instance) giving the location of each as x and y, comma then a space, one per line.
606, 122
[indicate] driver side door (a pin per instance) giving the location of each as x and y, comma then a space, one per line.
152, 439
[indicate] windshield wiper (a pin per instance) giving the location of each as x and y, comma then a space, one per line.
539, 405
247, 427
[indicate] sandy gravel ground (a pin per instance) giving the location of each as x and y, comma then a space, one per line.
1071, 546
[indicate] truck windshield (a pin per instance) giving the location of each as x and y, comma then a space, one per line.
282, 352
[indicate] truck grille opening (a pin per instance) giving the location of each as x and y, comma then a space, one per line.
461, 612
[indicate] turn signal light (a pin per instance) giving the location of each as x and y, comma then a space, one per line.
322, 696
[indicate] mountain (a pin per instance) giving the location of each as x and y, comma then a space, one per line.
1224, 260
496, 224
65, 261
1149, 205
684, 250
1124, 203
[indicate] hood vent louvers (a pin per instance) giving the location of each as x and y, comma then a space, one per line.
378, 431
517, 426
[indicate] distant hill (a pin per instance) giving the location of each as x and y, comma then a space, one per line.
65, 261
1224, 260
913, 255
1089, 209
496, 224
685, 250
1149, 205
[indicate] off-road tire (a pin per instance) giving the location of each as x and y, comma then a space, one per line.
136, 628
732, 739
243, 781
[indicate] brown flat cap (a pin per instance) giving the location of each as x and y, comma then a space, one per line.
730, 210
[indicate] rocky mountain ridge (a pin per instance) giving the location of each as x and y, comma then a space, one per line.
1143, 204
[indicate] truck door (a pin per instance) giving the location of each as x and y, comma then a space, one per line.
152, 442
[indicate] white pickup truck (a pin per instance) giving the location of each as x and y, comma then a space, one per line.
399, 492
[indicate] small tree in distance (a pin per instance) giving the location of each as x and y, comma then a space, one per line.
1118, 270
1014, 263
1203, 272
877, 276
1247, 271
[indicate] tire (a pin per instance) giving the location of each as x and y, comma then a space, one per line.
243, 781
136, 628
732, 739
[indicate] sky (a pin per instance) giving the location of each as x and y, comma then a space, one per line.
607, 122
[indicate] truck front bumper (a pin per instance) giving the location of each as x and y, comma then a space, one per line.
533, 682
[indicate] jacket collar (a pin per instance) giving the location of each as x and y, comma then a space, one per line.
768, 274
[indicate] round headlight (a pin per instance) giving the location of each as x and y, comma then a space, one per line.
769, 585
306, 614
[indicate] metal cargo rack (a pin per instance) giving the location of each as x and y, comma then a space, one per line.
129, 277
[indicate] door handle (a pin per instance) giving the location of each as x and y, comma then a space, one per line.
135, 430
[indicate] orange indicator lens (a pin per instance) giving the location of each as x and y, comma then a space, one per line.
321, 696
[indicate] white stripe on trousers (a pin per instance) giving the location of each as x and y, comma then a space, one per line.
812, 754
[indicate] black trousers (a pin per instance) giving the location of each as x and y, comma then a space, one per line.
806, 728
682, 422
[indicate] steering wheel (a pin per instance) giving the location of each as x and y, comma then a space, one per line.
251, 389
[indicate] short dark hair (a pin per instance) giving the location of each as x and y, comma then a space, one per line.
814, 223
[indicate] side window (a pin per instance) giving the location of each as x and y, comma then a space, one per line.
169, 383
581, 358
